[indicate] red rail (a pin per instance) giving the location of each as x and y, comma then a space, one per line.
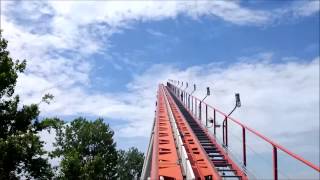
177, 91
164, 156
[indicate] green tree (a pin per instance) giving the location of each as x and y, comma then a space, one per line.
129, 163
87, 150
21, 151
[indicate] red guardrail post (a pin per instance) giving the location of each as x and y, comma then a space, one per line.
226, 131
206, 115
223, 134
275, 163
192, 104
184, 98
214, 122
244, 146
196, 107
189, 101
200, 111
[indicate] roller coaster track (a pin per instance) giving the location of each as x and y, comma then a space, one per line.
182, 147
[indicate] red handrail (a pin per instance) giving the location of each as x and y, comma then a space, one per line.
274, 144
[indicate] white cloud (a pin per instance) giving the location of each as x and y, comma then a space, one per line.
48, 137
54, 56
67, 22
117, 13
155, 33
301, 8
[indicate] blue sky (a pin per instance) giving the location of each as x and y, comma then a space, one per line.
185, 42
105, 59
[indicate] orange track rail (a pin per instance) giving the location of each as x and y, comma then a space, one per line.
164, 155
200, 163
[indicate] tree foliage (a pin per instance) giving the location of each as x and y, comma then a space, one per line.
87, 150
130, 163
21, 152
